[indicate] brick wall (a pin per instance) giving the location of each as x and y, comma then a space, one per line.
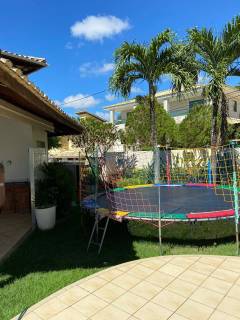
17, 198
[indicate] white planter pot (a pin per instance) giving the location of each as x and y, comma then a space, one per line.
46, 218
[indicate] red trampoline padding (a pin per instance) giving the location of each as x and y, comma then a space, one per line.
211, 215
201, 184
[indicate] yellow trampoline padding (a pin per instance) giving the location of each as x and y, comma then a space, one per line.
121, 213
139, 186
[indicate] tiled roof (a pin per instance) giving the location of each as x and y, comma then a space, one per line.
37, 91
30, 58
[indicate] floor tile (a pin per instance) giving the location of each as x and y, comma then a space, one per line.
129, 302
193, 277
93, 284
202, 268
109, 292
217, 315
230, 306
194, 310
169, 300
30, 316
110, 275
89, 305
152, 311
69, 314
172, 269
126, 281
182, 261
234, 292
160, 279
72, 295
181, 287
154, 264
145, 290
140, 272
225, 275
216, 285
111, 313
211, 260
50, 308
177, 317
208, 297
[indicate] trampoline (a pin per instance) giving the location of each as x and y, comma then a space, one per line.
188, 202
168, 187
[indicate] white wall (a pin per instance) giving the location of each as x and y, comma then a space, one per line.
15, 139
17, 135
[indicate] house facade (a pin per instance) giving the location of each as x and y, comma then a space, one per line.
27, 118
177, 106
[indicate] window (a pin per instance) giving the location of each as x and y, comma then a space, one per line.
196, 103
234, 106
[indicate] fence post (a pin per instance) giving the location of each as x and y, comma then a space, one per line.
235, 195
96, 187
156, 155
209, 172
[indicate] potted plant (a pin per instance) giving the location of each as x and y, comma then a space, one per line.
45, 205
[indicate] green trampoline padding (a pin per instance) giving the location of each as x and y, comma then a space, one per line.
155, 215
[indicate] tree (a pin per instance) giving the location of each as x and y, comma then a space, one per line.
150, 63
195, 129
138, 128
217, 57
54, 142
96, 134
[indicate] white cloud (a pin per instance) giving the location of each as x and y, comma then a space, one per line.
136, 90
79, 101
95, 28
102, 114
93, 68
110, 97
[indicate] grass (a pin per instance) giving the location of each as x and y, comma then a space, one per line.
48, 261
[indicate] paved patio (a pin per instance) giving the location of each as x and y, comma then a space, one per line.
13, 229
159, 288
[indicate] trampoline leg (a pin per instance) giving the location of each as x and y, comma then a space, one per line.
160, 236
103, 236
237, 238
95, 231
92, 233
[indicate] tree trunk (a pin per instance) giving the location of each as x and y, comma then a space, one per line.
214, 138
152, 115
224, 124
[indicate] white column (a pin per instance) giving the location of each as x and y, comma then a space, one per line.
165, 105
112, 116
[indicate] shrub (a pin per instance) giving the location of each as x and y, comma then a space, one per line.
57, 177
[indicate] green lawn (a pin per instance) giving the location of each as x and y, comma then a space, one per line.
48, 261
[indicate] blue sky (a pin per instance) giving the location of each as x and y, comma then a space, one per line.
78, 38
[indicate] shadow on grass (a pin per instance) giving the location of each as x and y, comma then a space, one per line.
64, 248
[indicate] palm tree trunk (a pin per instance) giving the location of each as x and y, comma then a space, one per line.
156, 151
152, 115
214, 138
224, 124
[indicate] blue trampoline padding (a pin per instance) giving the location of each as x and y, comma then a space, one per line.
90, 203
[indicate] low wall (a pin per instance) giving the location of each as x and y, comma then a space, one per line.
17, 198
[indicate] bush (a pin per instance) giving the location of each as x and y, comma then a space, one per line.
57, 177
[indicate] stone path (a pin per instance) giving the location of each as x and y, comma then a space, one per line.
159, 288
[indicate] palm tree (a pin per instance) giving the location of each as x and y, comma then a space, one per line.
150, 63
217, 57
